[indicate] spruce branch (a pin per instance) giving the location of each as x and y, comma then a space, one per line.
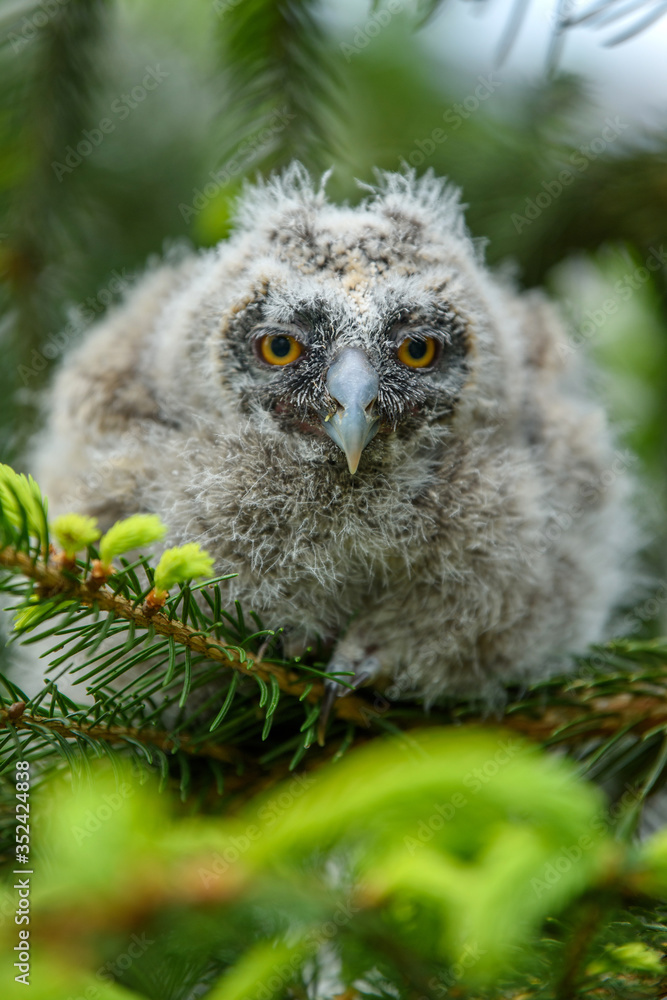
277, 59
18, 718
574, 711
589, 717
54, 584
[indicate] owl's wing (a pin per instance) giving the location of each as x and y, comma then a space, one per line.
93, 449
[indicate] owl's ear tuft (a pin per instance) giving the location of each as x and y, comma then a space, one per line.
429, 200
291, 191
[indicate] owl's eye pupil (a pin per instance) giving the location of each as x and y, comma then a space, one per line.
417, 349
279, 349
280, 346
417, 352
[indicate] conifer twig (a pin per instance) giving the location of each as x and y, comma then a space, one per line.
53, 583
585, 715
588, 717
116, 734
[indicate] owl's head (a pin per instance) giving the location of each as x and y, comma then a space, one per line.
350, 328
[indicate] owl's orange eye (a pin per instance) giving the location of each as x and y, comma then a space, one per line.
417, 353
280, 349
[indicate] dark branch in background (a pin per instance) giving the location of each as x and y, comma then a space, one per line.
276, 59
60, 76
638, 14
48, 84
641, 14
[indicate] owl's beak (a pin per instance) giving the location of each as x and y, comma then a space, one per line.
353, 383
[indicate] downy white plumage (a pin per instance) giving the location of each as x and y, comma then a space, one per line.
483, 533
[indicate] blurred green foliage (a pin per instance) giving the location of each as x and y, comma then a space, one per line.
458, 845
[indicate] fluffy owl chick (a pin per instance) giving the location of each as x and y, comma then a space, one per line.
388, 445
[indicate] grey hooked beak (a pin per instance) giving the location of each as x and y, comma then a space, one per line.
353, 383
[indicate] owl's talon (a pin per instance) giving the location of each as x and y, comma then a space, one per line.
333, 690
328, 698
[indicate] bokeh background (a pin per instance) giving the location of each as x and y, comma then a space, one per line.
127, 128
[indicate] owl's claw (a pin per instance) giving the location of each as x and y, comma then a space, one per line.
333, 689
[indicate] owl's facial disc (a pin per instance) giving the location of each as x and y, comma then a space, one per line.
354, 384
